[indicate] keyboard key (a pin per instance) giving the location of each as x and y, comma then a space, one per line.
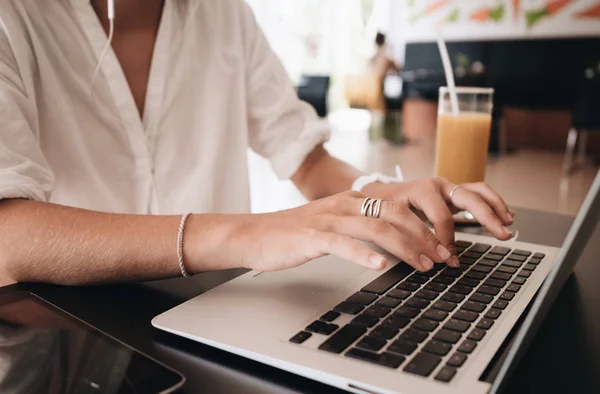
457, 325
408, 286
418, 278
463, 244
396, 322
500, 250
445, 374
445, 306
427, 294
538, 255
365, 320
447, 280
506, 269
435, 314
372, 343
417, 303
362, 298
320, 327
402, 347
468, 282
473, 306
414, 335
513, 287
507, 295
475, 275
480, 297
494, 256
407, 312
467, 346
501, 276
350, 308
482, 268
459, 249
457, 360
448, 336
467, 260
330, 316
476, 334
491, 290
425, 324
343, 338
485, 323
435, 286
522, 252
495, 282
386, 359
300, 337
493, 313
500, 304
480, 248
399, 294
461, 289
464, 267
529, 267
385, 332
422, 364
512, 263
488, 262
516, 257
472, 255
534, 261
524, 273
378, 311
437, 347
388, 302
389, 278
430, 274
462, 314
453, 297
519, 280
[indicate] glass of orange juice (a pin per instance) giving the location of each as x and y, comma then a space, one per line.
463, 137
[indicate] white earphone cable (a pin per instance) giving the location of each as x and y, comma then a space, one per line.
111, 30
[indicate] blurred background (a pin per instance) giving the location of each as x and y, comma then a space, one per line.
372, 70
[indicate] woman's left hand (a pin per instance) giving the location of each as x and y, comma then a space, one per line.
430, 199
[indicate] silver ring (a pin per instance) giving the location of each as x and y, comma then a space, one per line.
371, 207
455, 188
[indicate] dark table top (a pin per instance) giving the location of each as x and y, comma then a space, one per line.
564, 357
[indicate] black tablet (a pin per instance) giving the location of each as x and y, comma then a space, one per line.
45, 350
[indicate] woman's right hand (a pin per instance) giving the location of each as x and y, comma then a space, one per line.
286, 239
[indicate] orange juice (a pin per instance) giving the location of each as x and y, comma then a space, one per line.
462, 146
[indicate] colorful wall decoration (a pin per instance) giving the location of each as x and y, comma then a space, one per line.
415, 20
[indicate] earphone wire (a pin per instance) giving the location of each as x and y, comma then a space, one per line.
111, 31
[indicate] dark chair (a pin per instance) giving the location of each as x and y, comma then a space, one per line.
314, 90
586, 117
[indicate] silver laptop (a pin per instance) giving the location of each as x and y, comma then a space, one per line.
400, 331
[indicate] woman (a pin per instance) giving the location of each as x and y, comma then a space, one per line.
95, 174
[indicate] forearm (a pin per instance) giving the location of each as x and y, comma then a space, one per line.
323, 175
42, 242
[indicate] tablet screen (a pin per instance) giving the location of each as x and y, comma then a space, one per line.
44, 350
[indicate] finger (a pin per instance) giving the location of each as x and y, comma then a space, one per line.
407, 222
493, 199
347, 248
383, 234
435, 208
474, 203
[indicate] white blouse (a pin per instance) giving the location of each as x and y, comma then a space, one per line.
215, 89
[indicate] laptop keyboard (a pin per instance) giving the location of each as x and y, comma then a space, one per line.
419, 321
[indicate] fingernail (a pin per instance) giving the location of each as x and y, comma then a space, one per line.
454, 262
507, 231
426, 262
442, 252
377, 262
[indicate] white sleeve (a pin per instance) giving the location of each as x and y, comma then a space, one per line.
24, 171
282, 128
